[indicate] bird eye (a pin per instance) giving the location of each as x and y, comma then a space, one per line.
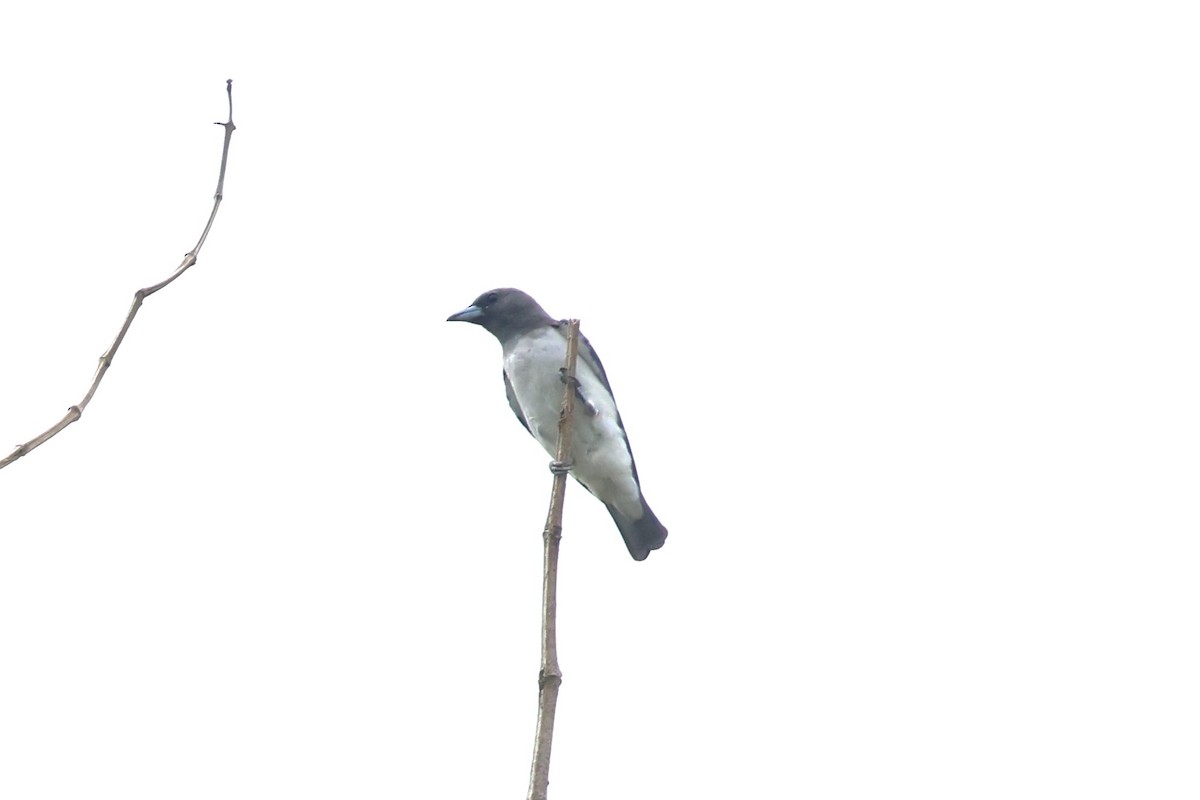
491, 298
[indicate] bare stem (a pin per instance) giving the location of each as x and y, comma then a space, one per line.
76, 411
550, 676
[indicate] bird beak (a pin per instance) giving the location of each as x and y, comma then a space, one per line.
468, 314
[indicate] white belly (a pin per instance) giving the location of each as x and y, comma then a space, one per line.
599, 454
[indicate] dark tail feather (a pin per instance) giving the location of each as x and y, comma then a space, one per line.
641, 535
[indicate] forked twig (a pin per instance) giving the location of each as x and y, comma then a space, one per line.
76, 411
550, 676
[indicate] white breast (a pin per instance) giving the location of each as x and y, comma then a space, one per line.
599, 453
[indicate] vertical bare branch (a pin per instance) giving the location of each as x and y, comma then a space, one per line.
550, 676
76, 411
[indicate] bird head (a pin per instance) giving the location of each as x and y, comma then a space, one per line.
504, 312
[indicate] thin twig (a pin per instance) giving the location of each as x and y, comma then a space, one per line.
76, 411
550, 676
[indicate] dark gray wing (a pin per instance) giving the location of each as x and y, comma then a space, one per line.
512, 401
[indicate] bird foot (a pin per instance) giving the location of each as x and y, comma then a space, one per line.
560, 467
562, 376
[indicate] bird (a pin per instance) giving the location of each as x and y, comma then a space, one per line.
534, 346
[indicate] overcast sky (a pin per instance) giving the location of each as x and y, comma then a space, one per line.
899, 302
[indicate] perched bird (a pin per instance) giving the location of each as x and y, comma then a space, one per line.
535, 348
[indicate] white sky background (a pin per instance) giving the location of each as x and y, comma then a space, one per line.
899, 304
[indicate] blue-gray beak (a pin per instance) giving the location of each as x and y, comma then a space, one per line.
468, 314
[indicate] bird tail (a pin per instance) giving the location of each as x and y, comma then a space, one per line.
641, 535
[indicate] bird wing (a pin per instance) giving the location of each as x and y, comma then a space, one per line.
512, 402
